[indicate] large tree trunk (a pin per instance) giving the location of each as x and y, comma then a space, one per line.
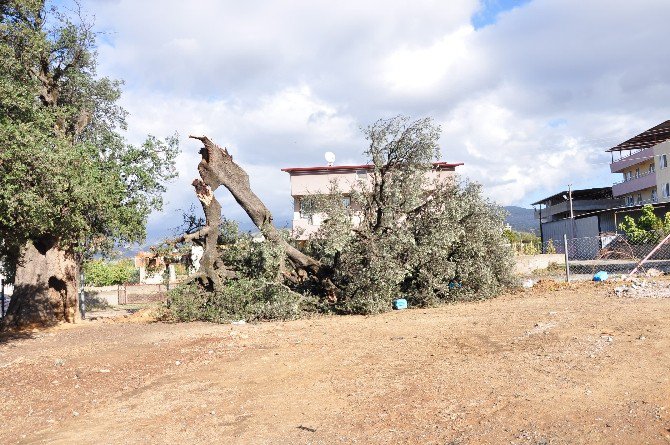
45, 287
217, 168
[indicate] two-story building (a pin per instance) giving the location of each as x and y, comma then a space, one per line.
307, 181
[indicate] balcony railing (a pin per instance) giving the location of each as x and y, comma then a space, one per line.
639, 157
634, 184
642, 202
633, 177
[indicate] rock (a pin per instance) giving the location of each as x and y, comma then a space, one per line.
177, 362
240, 322
654, 272
59, 362
528, 283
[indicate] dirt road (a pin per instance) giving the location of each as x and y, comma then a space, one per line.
551, 365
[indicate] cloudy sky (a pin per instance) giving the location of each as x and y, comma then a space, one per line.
529, 94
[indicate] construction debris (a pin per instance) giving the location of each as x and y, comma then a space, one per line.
637, 288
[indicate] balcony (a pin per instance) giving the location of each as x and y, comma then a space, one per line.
638, 157
634, 184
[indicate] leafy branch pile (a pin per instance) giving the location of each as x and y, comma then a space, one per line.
406, 231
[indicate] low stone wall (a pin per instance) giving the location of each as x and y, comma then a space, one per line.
102, 294
124, 294
525, 264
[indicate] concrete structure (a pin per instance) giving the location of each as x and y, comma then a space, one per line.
560, 205
643, 163
307, 181
152, 269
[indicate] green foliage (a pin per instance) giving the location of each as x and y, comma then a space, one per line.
523, 243
424, 239
550, 248
107, 273
256, 294
242, 299
648, 228
66, 172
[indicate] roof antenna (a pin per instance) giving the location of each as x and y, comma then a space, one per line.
330, 158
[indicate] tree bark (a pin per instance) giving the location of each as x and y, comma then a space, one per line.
217, 168
212, 270
45, 287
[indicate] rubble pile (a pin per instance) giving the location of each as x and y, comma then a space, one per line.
640, 288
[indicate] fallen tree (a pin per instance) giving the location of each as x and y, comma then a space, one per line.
418, 235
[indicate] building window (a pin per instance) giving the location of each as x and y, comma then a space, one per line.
639, 198
654, 198
346, 202
628, 175
663, 161
652, 167
637, 172
666, 190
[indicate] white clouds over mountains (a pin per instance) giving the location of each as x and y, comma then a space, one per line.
528, 102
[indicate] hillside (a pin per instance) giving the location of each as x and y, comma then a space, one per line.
522, 219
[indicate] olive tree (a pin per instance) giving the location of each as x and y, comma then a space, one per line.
411, 233
69, 183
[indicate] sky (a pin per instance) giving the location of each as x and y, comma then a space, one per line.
529, 94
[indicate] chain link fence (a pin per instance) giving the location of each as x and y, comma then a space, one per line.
613, 253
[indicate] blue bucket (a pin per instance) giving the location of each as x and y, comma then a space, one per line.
399, 304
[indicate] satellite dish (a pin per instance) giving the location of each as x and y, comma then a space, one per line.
330, 158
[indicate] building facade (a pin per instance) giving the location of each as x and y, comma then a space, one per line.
306, 181
643, 164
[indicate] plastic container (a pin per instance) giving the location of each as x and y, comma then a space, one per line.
399, 304
600, 276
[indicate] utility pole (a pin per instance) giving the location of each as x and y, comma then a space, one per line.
572, 215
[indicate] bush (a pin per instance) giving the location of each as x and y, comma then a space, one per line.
648, 228
242, 299
106, 273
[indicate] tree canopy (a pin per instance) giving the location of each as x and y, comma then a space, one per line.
66, 171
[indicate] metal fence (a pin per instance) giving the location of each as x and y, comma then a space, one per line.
613, 253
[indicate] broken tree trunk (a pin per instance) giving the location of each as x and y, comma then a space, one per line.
217, 168
211, 270
45, 287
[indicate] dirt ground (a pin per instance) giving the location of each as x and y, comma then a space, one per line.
555, 364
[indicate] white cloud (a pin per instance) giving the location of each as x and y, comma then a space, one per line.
529, 103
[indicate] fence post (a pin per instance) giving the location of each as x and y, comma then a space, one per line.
82, 302
2, 297
567, 260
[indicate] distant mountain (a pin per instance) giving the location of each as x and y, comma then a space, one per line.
522, 220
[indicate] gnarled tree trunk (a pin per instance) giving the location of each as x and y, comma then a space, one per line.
217, 168
45, 287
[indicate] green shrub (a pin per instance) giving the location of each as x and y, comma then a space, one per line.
242, 299
108, 273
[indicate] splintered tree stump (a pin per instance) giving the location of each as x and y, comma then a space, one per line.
217, 168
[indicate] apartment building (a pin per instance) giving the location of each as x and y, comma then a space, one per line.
307, 181
643, 164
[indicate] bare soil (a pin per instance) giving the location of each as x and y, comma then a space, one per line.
554, 364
